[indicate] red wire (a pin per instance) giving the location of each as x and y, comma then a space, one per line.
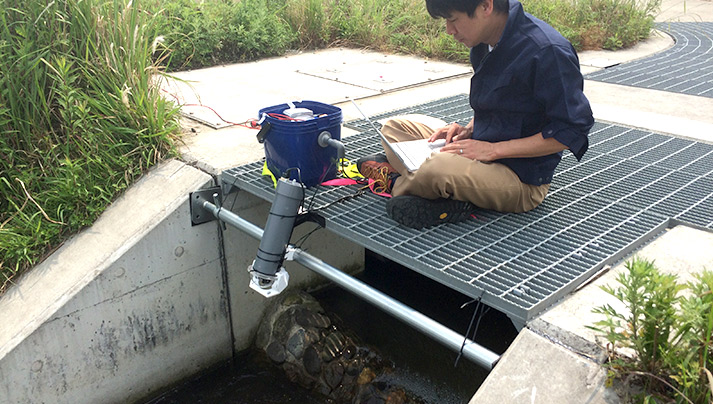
281, 117
250, 123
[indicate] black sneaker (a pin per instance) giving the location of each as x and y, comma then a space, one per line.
417, 213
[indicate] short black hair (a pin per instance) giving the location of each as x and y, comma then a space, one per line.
444, 8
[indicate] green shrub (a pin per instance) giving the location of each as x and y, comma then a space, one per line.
213, 32
597, 24
391, 26
669, 333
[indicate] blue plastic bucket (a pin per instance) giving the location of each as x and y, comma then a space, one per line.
292, 145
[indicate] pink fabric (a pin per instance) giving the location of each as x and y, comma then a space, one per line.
340, 181
349, 181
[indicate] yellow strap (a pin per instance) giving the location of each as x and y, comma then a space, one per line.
266, 171
350, 170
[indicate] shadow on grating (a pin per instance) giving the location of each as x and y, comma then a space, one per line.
685, 68
626, 190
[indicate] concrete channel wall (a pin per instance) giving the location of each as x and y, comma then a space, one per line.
138, 301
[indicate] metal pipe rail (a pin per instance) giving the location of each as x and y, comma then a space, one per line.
451, 339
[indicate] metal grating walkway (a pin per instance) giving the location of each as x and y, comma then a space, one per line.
629, 187
686, 68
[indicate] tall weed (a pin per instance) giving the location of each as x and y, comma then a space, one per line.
312, 22
81, 117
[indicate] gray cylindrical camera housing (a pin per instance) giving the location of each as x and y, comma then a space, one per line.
278, 229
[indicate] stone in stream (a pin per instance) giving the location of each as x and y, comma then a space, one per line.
316, 353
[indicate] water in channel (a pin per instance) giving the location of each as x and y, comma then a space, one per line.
422, 366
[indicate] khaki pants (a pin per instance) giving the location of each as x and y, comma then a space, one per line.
447, 175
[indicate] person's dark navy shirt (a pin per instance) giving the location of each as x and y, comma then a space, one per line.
530, 83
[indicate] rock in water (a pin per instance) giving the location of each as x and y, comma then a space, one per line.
314, 352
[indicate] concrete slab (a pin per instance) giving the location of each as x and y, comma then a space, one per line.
221, 95
381, 72
235, 93
676, 114
685, 11
216, 150
534, 370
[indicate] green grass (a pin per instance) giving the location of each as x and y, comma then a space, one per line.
81, 118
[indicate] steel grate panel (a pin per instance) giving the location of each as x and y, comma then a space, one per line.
686, 68
694, 203
668, 148
640, 142
613, 140
700, 159
590, 176
624, 191
638, 184
649, 195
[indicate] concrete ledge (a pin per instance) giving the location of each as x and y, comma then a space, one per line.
534, 370
131, 304
141, 300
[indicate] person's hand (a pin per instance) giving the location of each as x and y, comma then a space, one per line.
452, 132
472, 149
